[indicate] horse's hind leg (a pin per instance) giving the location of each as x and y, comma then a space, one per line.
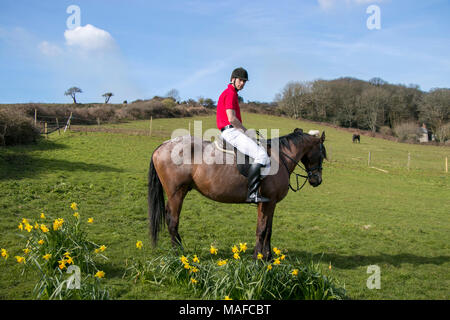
173, 209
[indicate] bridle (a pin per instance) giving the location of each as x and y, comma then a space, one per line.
309, 172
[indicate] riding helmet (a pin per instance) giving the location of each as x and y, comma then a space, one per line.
240, 73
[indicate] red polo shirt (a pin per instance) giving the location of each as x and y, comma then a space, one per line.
227, 100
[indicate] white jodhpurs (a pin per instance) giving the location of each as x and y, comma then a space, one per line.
247, 146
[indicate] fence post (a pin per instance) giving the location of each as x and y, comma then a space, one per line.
35, 117
151, 123
45, 130
68, 123
368, 160
409, 160
57, 124
446, 164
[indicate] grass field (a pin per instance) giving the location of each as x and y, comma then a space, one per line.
359, 216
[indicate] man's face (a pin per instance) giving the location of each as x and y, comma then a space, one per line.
239, 83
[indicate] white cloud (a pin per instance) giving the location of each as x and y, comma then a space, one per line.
328, 4
50, 49
89, 38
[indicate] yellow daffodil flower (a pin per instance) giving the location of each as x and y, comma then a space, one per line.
193, 281
277, 261
259, 256
196, 259
42, 215
74, 206
277, 251
184, 260
20, 259
90, 220
294, 272
100, 274
222, 262
236, 256
213, 250
44, 228
139, 245
5, 254
234, 249
26, 250
41, 242
269, 267
28, 227
20, 226
243, 247
76, 215
47, 256
227, 298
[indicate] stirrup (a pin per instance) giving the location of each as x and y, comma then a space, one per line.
256, 198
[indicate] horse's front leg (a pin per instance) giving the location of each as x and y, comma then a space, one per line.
264, 230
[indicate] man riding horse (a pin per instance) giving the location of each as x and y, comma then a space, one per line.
229, 122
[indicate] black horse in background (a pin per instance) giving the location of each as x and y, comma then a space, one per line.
356, 137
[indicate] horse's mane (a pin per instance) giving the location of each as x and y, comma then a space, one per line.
295, 137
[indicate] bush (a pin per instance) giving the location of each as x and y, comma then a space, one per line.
442, 133
16, 128
406, 131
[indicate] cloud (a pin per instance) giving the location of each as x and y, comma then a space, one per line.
49, 49
89, 38
328, 4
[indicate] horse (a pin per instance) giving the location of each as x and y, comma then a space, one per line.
355, 138
224, 183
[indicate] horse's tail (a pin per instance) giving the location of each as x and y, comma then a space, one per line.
156, 206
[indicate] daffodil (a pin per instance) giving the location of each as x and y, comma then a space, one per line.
294, 272
44, 228
102, 248
187, 266
67, 254
26, 250
42, 215
329, 267
20, 259
41, 242
234, 249
90, 220
100, 274
283, 257
76, 215
227, 298
222, 262
259, 256
193, 281
139, 244
243, 247
236, 256
5, 254
62, 264
69, 260
277, 251
28, 227
269, 267
213, 250
277, 261
57, 224
184, 260
47, 256
36, 225
74, 206
196, 259
20, 226
193, 269
25, 221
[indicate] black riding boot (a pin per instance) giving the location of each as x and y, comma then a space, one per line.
254, 181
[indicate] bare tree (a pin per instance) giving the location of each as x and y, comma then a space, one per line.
107, 96
72, 92
174, 94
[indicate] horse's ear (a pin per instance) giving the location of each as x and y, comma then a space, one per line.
322, 138
298, 130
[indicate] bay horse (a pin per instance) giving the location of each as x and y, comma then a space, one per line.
224, 183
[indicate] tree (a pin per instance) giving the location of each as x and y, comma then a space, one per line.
107, 96
435, 109
174, 94
72, 92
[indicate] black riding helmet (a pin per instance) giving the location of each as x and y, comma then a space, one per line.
240, 73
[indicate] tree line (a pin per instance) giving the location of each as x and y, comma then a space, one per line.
368, 105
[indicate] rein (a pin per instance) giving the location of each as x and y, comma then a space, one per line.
309, 172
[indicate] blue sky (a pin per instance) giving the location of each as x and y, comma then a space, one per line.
138, 49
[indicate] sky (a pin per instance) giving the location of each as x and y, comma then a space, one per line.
137, 49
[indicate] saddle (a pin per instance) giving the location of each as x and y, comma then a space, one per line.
244, 160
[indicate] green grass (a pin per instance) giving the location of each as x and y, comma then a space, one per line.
358, 217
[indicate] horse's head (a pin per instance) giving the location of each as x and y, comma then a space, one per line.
313, 159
